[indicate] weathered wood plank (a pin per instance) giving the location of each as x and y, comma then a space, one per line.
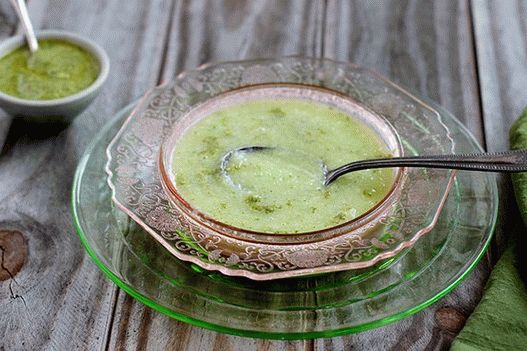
8, 20
204, 31
59, 300
501, 32
428, 47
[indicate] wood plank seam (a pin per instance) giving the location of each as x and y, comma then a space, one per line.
488, 255
323, 29
115, 296
309, 345
500, 69
162, 66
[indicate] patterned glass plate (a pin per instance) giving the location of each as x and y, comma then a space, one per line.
383, 233
321, 306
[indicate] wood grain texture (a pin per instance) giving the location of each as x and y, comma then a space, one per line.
213, 31
501, 32
60, 300
8, 20
426, 46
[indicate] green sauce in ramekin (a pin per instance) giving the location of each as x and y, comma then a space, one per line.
58, 69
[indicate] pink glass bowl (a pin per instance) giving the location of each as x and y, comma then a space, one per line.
140, 176
360, 224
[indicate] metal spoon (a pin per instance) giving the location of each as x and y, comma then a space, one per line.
312, 168
507, 161
23, 16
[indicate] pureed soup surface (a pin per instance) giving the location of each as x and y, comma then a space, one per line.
56, 70
279, 190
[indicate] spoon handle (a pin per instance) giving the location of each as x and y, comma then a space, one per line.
23, 16
507, 161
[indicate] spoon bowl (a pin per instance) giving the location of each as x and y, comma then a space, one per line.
311, 170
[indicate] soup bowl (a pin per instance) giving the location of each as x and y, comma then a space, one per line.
284, 92
141, 173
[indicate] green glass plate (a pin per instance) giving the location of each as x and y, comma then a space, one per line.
325, 305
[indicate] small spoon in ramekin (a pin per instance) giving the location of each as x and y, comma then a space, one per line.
23, 16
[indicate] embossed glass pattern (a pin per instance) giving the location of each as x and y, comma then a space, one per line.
411, 211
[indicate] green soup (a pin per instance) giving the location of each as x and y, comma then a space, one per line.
56, 70
279, 190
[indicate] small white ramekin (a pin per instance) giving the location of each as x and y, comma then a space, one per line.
66, 108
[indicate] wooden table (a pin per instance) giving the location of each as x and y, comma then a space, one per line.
470, 56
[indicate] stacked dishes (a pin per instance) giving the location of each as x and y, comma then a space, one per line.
358, 274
